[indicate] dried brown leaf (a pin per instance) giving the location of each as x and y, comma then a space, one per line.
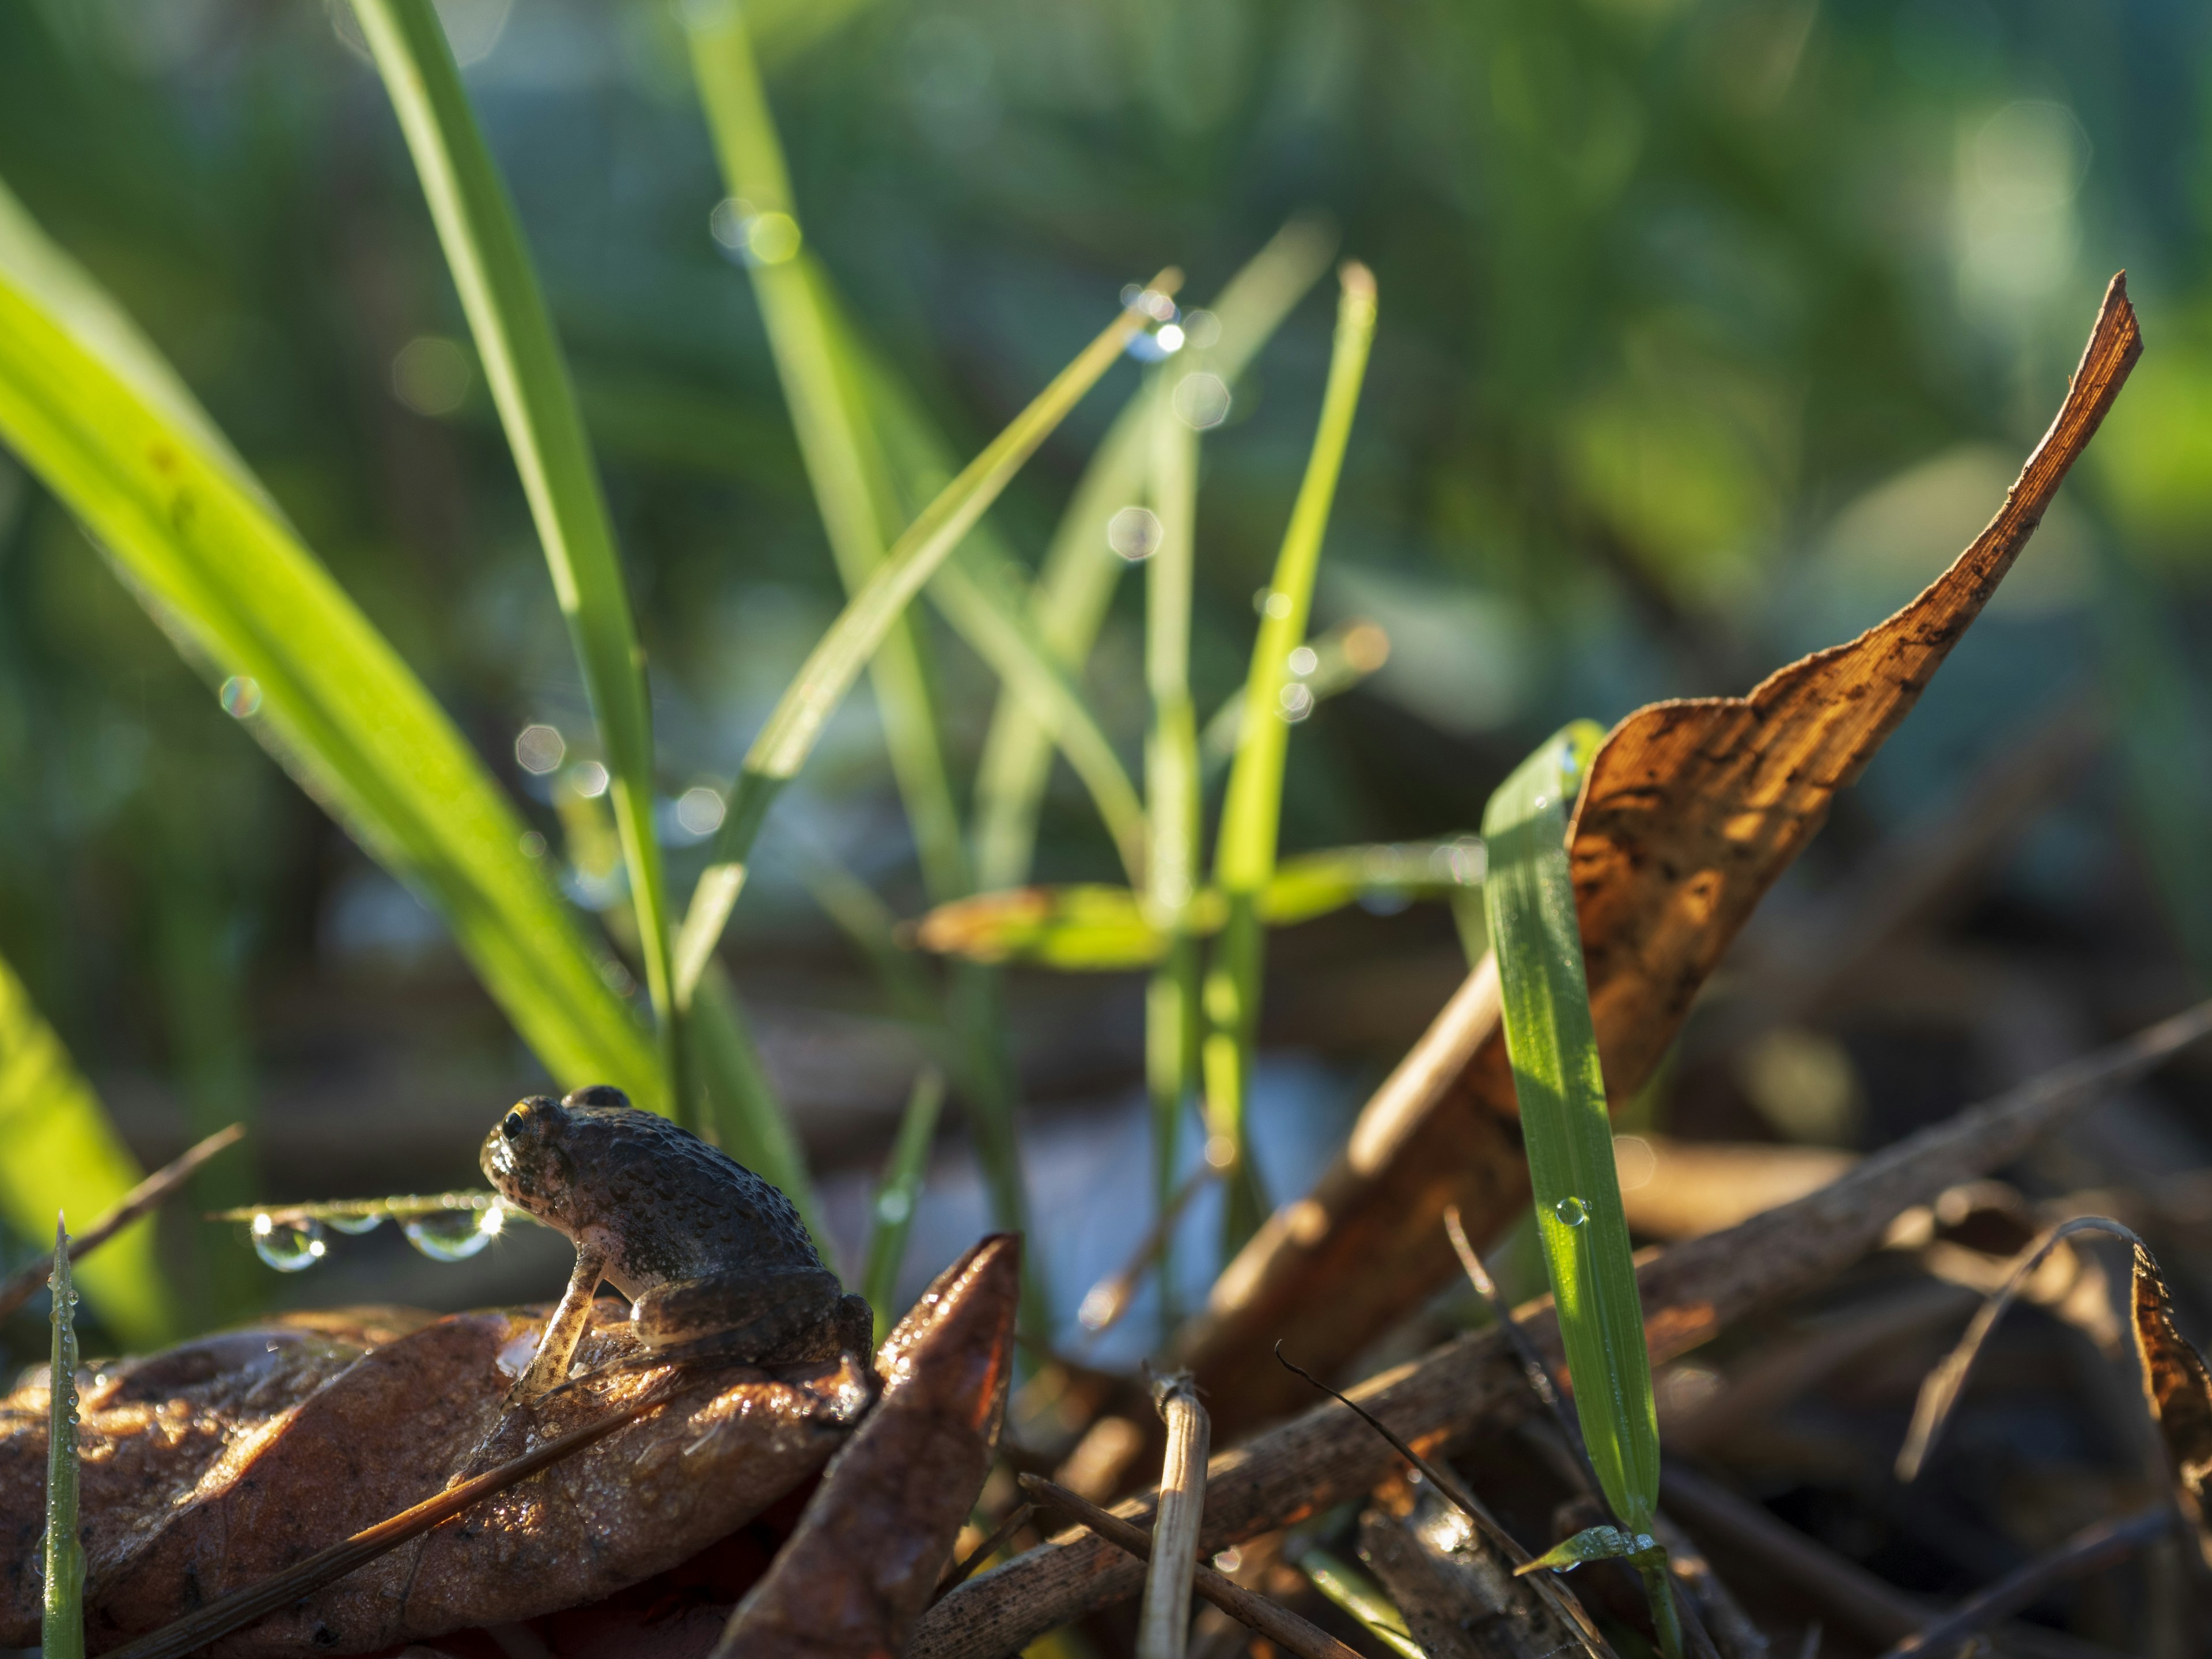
876, 1537
216, 1466
1691, 810
2179, 1390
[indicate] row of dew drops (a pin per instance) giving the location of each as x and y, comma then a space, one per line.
293, 1240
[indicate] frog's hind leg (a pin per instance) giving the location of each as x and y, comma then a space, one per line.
784, 1316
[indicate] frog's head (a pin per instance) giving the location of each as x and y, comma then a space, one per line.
526, 1157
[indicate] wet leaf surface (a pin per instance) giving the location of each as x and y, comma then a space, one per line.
211, 1467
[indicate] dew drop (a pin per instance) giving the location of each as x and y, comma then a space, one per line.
894, 1207
355, 1225
290, 1246
453, 1235
1570, 1211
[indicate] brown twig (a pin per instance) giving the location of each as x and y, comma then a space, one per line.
1163, 1626
1691, 1291
145, 1195
2104, 1544
1104, 1303
964, 1569
241, 1607
1271, 1618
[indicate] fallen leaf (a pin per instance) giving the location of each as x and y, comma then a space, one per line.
2179, 1390
213, 1466
1691, 810
881, 1527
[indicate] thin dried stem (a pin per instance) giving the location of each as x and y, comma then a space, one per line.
1271, 1618
145, 1195
1163, 1628
963, 1571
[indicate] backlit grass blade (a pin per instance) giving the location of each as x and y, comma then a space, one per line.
743, 1105
1251, 815
62, 1629
1342, 658
1080, 570
1529, 899
844, 463
789, 737
892, 1215
63, 1154
89, 405
1172, 792
529, 381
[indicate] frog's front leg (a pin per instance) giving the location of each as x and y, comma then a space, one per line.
564, 1330
789, 1316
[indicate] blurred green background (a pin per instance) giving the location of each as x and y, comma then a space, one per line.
1710, 330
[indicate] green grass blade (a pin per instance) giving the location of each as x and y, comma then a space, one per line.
62, 1627
90, 407
1529, 899
844, 462
1081, 570
896, 1194
529, 381
1173, 792
1342, 658
748, 1116
1251, 815
789, 737
63, 1155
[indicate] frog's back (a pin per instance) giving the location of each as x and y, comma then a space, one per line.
681, 1207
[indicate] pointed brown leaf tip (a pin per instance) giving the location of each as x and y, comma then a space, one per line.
1690, 811
877, 1535
2179, 1390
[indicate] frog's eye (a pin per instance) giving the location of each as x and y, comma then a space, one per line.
515, 1123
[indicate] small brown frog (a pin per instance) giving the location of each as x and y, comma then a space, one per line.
715, 1260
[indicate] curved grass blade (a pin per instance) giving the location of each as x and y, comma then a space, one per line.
1251, 816
1077, 579
63, 1154
529, 381
91, 407
62, 1627
1529, 899
898, 1194
789, 737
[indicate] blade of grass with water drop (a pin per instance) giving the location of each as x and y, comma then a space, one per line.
1530, 902
844, 463
1077, 579
896, 1194
530, 384
62, 1628
90, 406
797, 721
1251, 814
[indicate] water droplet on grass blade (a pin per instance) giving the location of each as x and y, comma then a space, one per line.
455, 1235
290, 1246
1570, 1211
355, 1225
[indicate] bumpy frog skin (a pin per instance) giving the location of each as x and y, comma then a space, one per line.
712, 1258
